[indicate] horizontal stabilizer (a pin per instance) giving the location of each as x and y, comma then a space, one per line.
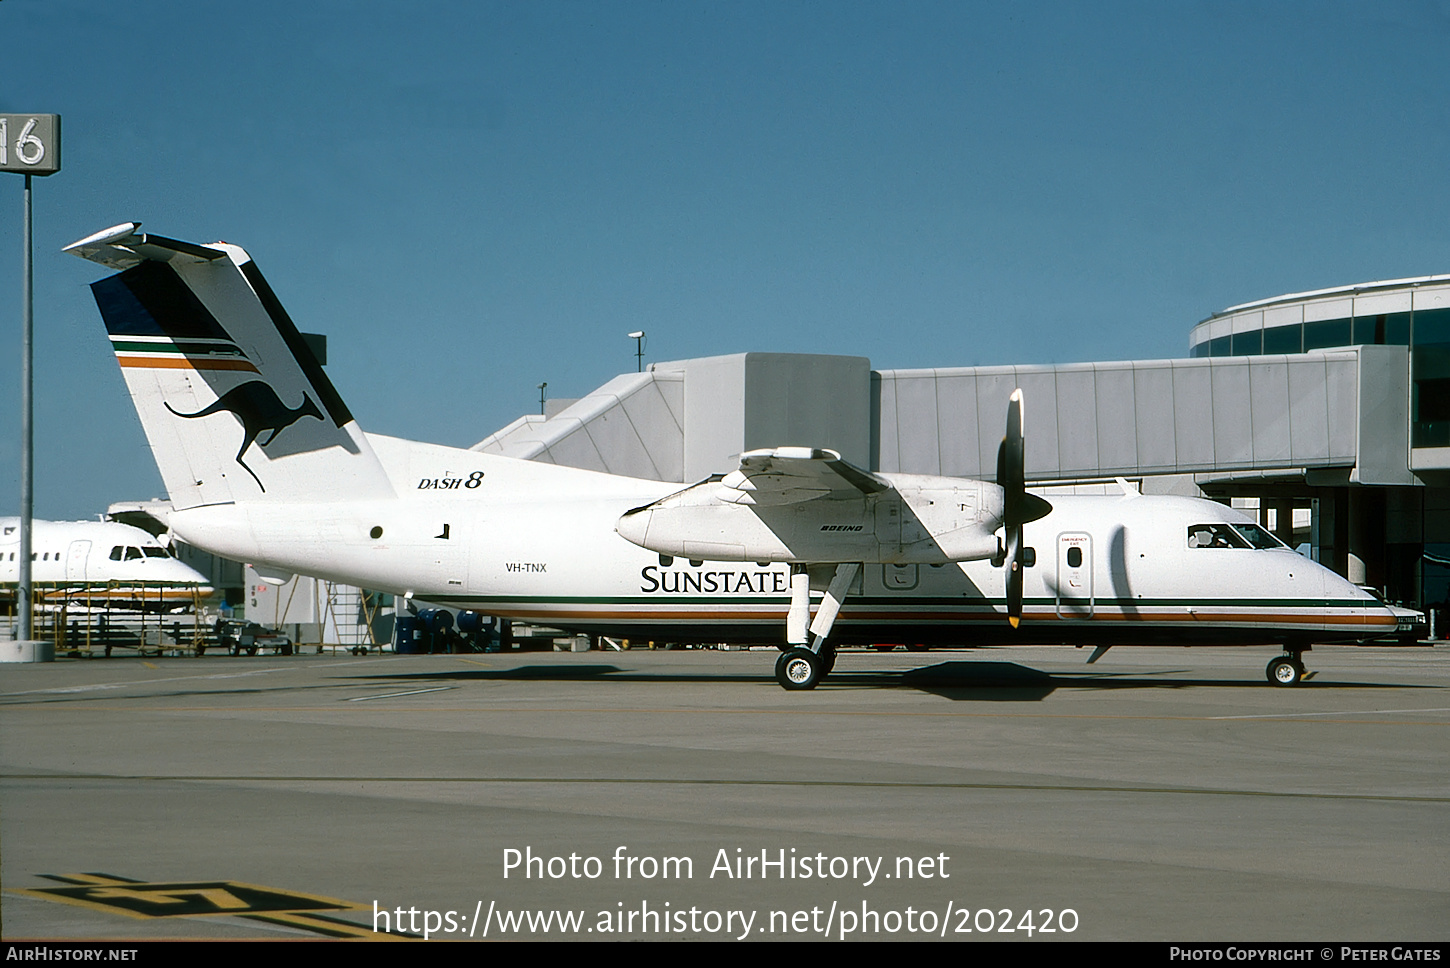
123, 246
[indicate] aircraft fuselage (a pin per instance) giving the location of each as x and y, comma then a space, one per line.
537, 543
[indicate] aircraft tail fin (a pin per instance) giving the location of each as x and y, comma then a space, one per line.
233, 401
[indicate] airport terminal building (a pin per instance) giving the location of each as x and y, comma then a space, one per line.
1327, 411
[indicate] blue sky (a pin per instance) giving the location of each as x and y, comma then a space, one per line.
472, 198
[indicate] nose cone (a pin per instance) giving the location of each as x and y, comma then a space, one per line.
181, 573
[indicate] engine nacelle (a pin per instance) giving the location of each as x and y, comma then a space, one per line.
919, 519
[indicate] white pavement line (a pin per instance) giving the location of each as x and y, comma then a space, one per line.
395, 695
98, 686
1346, 712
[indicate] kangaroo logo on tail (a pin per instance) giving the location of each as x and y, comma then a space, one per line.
258, 409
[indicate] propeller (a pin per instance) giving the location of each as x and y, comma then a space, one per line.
1018, 507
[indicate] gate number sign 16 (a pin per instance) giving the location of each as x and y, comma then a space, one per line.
30, 143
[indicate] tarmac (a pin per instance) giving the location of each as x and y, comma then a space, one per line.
1165, 794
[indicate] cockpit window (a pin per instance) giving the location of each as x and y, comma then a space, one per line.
154, 552
116, 553
1214, 536
1258, 537
132, 553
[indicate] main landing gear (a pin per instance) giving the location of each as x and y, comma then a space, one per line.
1286, 670
800, 668
810, 657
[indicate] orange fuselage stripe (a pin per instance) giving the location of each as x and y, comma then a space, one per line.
857, 616
184, 363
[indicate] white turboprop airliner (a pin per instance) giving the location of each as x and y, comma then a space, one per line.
265, 464
99, 562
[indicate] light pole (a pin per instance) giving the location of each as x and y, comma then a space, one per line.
638, 338
24, 592
29, 145
541, 396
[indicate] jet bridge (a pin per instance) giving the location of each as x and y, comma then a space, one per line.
1299, 431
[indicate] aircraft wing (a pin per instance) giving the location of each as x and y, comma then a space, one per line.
805, 505
791, 475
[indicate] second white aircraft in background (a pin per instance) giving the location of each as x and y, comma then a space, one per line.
98, 562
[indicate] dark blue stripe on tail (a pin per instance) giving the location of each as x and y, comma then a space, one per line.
151, 300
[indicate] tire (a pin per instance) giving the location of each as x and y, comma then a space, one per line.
828, 660
1284, 671
798, 669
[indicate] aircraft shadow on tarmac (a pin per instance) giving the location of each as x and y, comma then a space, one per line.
956, 680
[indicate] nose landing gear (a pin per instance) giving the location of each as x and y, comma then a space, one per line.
1286, 670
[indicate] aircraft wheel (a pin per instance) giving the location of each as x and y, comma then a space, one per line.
798, 669
828, 660
1285, 671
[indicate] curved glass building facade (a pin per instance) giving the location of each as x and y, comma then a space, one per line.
1414, 313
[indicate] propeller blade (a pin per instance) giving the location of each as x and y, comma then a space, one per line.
1018, 507
1014, 576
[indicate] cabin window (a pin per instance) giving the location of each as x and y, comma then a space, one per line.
1074, 557
1214, 536
116, 553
